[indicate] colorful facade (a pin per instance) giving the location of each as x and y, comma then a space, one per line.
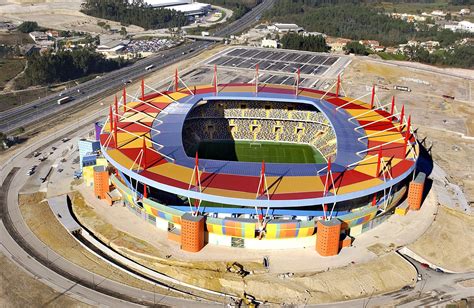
364, 188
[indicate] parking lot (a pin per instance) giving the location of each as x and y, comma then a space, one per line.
282, 61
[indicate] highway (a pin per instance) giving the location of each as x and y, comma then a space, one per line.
38, 110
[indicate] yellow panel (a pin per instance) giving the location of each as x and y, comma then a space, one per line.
288, 184
217, 229
368, 166
179, 173
101, 161
385, 136
132, 116
358, 186
166, 99
271, 231
249, 230
229, 193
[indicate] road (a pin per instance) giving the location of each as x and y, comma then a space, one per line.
434, 289
25, 249
38, 110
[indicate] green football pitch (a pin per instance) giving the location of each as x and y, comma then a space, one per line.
257, 151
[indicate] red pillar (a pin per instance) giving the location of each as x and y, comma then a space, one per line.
338, 85
407, 133
402, 115
145, 191
379, 159
124, 100
374, 200
392, 109
196, 179
144, 154
116, 105
261, 188
111, 119
372, 99
143, 89
116, 130
326, 186
176, 80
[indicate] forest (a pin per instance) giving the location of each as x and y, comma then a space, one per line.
459, 56
355, 20
49, 68
136, 12
307, 43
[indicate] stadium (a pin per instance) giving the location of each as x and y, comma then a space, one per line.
258, 166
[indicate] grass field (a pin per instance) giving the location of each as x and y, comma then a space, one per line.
10, 68
249, 151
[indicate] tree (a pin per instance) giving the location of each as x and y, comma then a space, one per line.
300, 42
135, 12
62, 66
28, 26
356, 48
123, 31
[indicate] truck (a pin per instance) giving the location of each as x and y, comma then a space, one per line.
64, 100
402, 88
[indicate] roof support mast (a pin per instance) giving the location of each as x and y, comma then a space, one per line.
372, 98
338, 85
262, 193
195, 185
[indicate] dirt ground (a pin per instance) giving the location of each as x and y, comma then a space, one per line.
45, 226
381, 275
56, 14
18, 289
448, 241
448, 125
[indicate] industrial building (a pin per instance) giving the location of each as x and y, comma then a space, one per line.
187, 7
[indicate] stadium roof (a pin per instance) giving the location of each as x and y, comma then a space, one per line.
169, 169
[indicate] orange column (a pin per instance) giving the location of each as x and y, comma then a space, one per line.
327, 237
192, 232
415, 192
101, 182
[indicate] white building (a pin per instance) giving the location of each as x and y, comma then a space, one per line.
466, 26
192, 9
285, 28
38, 36
267, 43
462, 26
166, 3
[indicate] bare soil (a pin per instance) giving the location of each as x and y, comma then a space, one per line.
449, 242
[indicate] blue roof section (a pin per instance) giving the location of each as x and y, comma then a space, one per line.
171, 126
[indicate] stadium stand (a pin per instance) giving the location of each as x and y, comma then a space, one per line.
259, 121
